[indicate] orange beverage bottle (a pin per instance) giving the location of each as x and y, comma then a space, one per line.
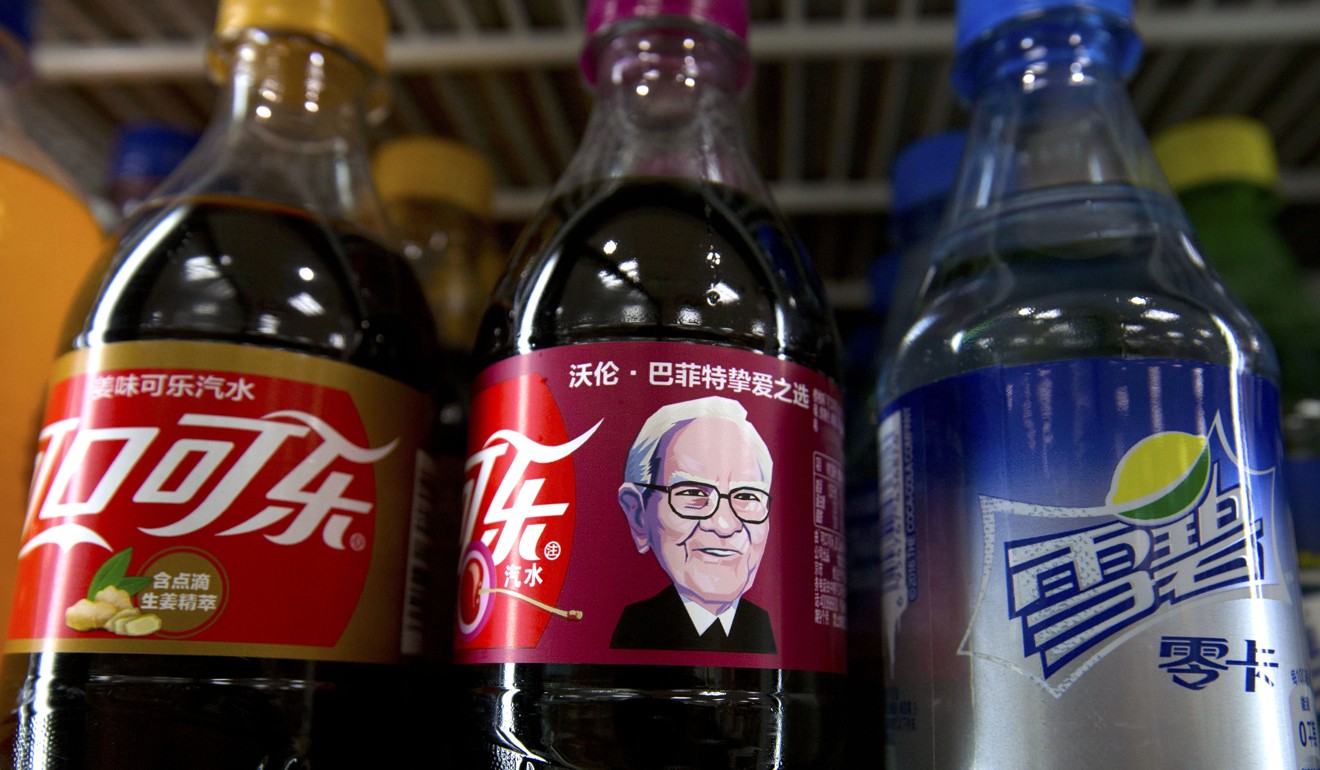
48, 238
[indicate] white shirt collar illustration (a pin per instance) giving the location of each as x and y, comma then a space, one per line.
702, 618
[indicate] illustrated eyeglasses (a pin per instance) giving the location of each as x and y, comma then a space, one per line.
695, 500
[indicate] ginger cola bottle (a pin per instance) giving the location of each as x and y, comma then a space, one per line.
227, 522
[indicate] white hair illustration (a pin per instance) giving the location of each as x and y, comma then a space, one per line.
644, 457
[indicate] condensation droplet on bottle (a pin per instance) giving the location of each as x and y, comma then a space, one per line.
713, 297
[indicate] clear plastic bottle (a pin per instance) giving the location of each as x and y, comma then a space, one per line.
48, 240
664, 588
1224, 169
226, 526
1080, 447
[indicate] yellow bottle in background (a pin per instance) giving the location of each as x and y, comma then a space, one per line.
48, 239
437, 193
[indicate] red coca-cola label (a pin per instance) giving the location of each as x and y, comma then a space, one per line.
653, 503
262, 505
516, 476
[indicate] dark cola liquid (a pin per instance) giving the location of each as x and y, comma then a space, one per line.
568, 284
227, 270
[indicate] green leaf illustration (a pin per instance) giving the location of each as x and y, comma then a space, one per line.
112, 573
132, 585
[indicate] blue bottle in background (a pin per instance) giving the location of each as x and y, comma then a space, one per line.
922, 177
1088, 557
144, 155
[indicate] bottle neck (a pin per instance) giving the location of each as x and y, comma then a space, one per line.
290, 127
1050, 109
666, 105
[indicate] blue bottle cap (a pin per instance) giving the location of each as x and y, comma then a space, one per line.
926, 169
976, 17
16, 16
151, 150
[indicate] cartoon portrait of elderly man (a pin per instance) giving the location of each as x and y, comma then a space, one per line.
697, 495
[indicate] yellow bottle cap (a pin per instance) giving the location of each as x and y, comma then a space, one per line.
437, 169
359, 26
1222, 148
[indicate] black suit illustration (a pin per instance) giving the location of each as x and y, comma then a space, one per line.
663, 623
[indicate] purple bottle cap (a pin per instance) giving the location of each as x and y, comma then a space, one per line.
729, 14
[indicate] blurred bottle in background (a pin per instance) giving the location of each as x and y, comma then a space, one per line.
143, 156
922, 178
1224, 169
48, 241
1079, 439
438, 194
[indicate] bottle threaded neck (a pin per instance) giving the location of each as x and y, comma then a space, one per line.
1076, 41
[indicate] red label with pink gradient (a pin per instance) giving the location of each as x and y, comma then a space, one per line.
178, 507
653, 503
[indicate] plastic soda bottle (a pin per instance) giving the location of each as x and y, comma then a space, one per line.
1080, 447
221, 542
48, 240
652, 564
1224, 169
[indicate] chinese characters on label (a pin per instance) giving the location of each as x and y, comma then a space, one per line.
516, 576
1303, 708
1195, 662
684, 374
827, 409
824, 407
314, 490
1074, 590
831, 586
180, 592
172, 385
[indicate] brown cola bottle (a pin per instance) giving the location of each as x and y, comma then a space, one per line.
228, 519
652, 561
